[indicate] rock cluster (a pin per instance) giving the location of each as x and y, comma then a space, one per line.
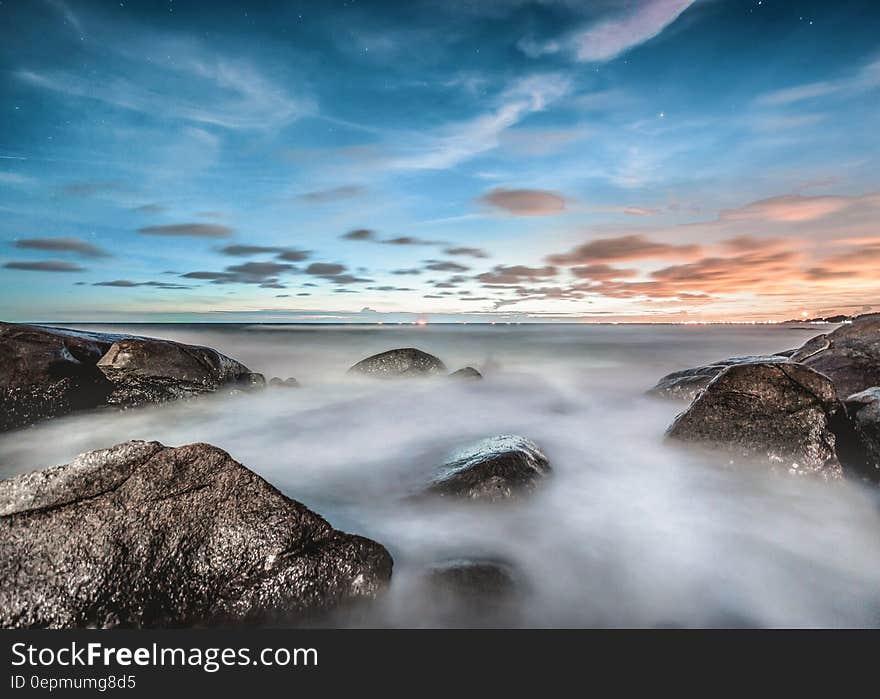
46, 372
814, 411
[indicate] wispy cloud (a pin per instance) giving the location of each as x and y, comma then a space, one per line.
324, 196
607, 38
199, 86
867, 78
460, 141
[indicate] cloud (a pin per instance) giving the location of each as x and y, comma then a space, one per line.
188, 230
525, 202
75, 245
445, 266
263, 273
628, 247
322, 269
792, 208
467, 252
93, 188
45, 266
323, 196
126, 283
601, 271
410, 240
516, 274
607, 39
360, 234
403, 272
150, 209
182, 80
464, 140
867, 78
286, 254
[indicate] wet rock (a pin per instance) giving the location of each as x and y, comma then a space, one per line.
472, 578
155, 371
687, 383
289, 382
864, 408
498, 468
46, 372
850, 355
143, 535
404, 362
467, 373
783, 414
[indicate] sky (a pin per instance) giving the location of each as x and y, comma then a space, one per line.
439, 160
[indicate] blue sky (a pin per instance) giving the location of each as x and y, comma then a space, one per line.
551, 160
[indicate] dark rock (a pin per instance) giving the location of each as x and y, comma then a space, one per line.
850, 355
289, 382
468, 373
864, 408
498, 468
687, 383
472, 579
154, 371
405, 362
46, 372
143, 535
784, 414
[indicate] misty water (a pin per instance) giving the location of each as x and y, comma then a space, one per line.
628, 530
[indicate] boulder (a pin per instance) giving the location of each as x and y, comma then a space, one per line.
687, 383
404, 362
144, 370
850, 355
144, 535
467, 373
498, 468
46, 372
472, 579
864, 408
289, 382
782, 414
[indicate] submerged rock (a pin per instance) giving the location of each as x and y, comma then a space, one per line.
468, 373
850, 355
289, 382
472, 579
783, 414
864, 408
143, 535
687, 383
407, 361
46, 372
498, 468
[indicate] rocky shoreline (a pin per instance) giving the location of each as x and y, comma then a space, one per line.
145, 535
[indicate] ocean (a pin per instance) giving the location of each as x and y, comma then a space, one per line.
628, 531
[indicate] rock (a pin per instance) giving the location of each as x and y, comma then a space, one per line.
154, 371
687, 383
783, 414
46, 372
143, 535
498, 468
289, 382
850, 355
472, 579
467, 373
405, 362
864, 408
